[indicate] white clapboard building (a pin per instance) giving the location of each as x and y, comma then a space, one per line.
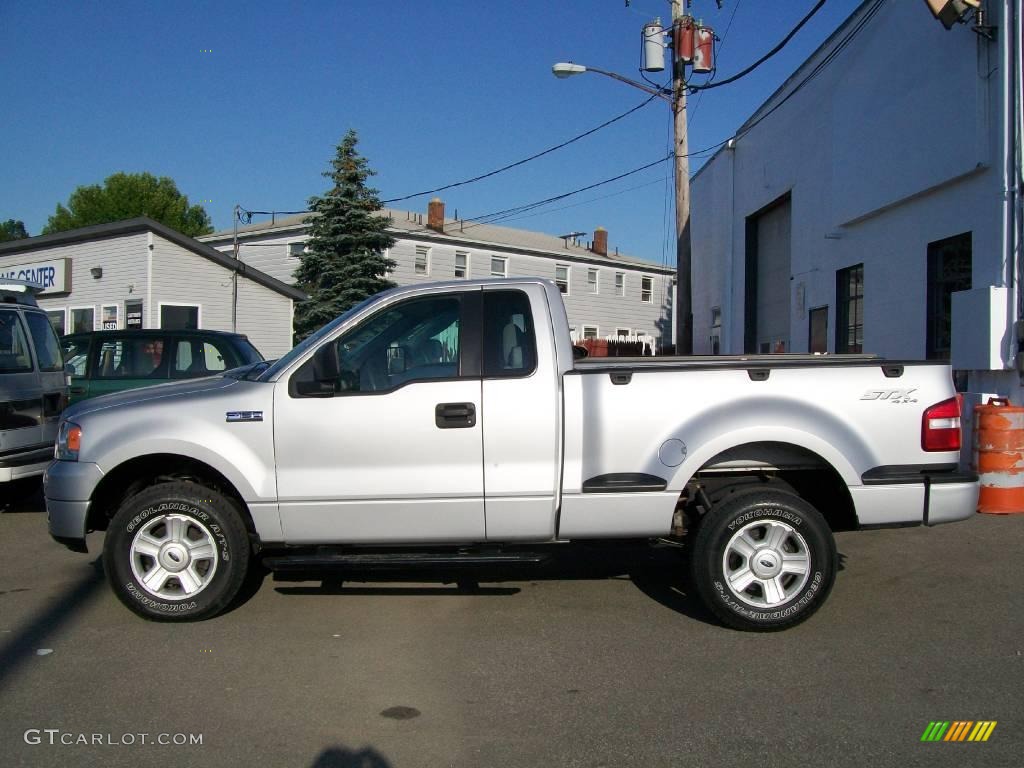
607, 294
139, 273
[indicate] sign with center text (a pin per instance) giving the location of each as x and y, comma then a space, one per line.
53, 274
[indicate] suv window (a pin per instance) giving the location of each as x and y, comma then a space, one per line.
133, 358
76, 354
14, 354
45, 340
194, 357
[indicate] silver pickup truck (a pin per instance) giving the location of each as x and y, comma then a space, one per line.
450, 423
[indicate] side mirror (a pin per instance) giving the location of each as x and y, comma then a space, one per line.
326, 365
578, 353
69, 370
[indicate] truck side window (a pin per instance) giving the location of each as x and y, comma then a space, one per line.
417, 340
509, 343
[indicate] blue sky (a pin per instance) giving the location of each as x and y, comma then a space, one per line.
438, 91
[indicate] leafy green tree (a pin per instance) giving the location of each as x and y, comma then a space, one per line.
12, 230
344, 261
125, 196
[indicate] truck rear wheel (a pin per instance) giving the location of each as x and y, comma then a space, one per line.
177, 551
763, 561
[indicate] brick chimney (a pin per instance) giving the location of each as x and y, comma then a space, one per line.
600, 245
435, 215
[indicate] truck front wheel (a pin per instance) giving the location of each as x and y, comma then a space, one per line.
763, 561
176, 551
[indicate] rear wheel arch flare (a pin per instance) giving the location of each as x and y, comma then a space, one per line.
795, 467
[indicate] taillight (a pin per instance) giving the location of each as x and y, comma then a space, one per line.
940, 426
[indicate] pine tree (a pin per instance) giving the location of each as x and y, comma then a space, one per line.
344, 261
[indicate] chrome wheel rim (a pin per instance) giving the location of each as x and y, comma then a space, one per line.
766, 563
174, 557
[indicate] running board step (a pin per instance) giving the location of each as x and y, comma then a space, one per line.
399, 560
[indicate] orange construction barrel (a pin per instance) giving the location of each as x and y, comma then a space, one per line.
999, 456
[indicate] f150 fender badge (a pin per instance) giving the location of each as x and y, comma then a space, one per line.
244, 416
892, 395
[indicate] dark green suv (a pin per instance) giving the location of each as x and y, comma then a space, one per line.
112, 361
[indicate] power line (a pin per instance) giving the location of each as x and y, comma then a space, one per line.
489, 218
525, 159
767, 56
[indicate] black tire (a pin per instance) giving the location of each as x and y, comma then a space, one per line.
778, 596
184, 518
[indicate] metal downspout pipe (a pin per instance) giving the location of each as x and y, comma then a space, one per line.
1009, 236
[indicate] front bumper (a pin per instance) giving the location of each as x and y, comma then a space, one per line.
29, 462
68, 486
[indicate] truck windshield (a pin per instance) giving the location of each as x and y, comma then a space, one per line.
311, 341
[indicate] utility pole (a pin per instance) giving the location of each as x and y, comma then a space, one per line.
684, 291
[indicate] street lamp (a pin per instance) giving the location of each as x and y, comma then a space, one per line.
563, 69
676, 96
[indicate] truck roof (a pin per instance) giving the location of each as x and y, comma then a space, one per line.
21, 292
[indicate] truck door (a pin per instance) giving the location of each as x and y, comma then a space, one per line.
521, 415
388, 447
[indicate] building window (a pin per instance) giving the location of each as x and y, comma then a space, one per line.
133, 314
622, 333
620, 283
461, 264
590, 331
179, 317
295, 250
592, 280
949, 270
83, 319
562, 278
499, 266
715, 340
422, 260
647, 290
108, 317
58, 319
850, 309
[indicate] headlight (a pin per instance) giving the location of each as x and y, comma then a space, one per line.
69, 441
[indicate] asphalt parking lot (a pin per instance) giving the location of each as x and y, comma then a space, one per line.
600, 661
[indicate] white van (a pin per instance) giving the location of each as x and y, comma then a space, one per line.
33, 384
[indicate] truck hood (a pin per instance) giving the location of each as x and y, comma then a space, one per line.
192, 388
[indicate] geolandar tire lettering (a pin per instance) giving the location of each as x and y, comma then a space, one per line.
177, 551
763, 561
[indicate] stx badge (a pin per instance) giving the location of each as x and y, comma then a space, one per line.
892, 395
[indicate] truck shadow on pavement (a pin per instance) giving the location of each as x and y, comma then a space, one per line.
658, 572
23, 496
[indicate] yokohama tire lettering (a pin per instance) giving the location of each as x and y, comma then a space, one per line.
771, 615
753, 514
165, 607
